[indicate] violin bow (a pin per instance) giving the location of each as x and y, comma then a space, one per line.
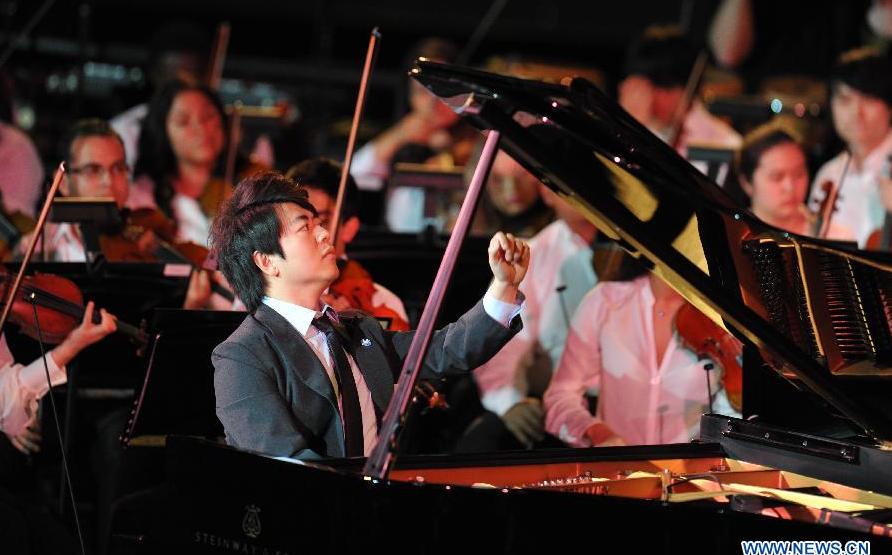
235, 123
693, 85
828, 204
218, 56
354, 129
38, 230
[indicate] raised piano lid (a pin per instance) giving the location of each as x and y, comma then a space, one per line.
640, 192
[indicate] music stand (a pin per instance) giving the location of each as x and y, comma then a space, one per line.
92, 214
177, 395
421, 196
717, 163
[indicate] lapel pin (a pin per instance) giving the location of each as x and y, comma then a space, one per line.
365, 342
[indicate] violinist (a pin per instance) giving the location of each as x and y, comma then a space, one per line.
22, 386
96, 167
773, 172
180, 163
658, 65
861, 103
622, 345
320, 177
299, 379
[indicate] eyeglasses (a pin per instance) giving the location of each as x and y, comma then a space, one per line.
98, 171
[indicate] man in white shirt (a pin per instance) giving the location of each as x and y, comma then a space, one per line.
861, 103
298, 379
558, 278
96, 166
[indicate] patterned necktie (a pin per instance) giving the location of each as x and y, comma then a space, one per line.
350, 411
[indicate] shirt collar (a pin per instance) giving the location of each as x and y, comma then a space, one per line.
874, 161
298, 316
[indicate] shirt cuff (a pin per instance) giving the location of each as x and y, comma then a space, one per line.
33, 376
501, 400
503, 312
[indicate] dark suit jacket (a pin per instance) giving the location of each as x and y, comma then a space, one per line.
274, 396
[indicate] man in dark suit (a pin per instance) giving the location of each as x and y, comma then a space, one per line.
296, 379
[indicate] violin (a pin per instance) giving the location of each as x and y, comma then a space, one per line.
706, 338
129, 244
824, 213
356, 285
59, 309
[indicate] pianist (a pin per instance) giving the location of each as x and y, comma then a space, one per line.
297, 379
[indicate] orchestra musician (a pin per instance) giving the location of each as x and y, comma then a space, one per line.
773, 172
320, 178
297, 378
180, 162
179, 50
658, 65
28, 526
861, 102
622, 346
417, 136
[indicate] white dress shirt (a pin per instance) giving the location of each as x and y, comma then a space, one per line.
301, 318
561, 259
21, 387
611, 351
63, 243
859, 207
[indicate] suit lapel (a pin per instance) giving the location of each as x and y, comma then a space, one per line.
296, 353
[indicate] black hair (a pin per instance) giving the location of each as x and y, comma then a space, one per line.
248, 222
866, 70
324, 174
757, 142
90, 127
155, 157
663, 54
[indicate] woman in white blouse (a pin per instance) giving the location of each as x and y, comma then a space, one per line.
622, 346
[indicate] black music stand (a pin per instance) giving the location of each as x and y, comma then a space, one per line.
434, 193
91, 214
177, 395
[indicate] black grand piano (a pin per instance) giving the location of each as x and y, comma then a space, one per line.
817, 313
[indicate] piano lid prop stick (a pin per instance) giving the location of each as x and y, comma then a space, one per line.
370, 56
380, 461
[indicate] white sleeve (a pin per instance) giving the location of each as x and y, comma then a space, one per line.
369, 172
498, 381
566, 412
21, 387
